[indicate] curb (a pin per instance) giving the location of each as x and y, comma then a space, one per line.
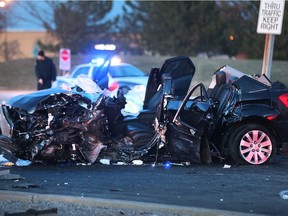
111, 203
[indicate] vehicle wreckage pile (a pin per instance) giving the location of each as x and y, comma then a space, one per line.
177, 123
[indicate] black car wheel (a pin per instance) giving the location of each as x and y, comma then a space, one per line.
252, 144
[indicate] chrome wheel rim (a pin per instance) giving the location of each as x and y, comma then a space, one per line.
255, 147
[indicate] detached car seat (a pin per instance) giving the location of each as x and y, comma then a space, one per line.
181, 70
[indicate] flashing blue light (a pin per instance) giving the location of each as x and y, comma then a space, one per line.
110, 47
167, 165
98, 61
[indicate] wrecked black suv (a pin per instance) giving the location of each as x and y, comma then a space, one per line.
247, 115
239, 116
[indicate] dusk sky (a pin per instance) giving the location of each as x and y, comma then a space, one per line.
15, 14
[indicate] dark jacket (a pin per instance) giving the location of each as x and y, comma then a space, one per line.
45, 70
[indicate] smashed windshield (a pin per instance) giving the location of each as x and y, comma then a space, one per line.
88, 85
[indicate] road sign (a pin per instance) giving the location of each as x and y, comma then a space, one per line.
270, 17
64, 59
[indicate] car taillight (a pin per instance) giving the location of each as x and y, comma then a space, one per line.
271, 117
284, 99
113, 86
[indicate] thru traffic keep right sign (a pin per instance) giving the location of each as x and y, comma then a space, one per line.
270, 17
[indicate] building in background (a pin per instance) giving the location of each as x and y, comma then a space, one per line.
23, 44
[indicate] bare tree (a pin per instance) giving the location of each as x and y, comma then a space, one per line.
77, 25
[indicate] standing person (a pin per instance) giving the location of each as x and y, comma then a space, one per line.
45, 71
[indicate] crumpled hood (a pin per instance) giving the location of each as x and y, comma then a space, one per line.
29, 102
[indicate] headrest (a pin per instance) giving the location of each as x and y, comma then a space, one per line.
220, 78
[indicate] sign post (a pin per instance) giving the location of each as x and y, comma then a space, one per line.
270, 20
64, 60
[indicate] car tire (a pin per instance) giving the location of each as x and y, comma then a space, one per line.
252, 144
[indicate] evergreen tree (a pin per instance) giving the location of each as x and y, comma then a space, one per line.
175, 27
239, 22
80, 24
191, 27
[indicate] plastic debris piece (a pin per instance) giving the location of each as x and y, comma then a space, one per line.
105, 161
83, 164
284, 194
8, 163
8, 157
226, 166
187, 163
17, 162
21, 162
121, 163
137, 162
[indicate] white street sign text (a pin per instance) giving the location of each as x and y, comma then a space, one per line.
270, 17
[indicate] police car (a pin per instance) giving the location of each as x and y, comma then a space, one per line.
121, 75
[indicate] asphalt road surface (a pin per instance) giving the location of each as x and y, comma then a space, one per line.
246, 189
